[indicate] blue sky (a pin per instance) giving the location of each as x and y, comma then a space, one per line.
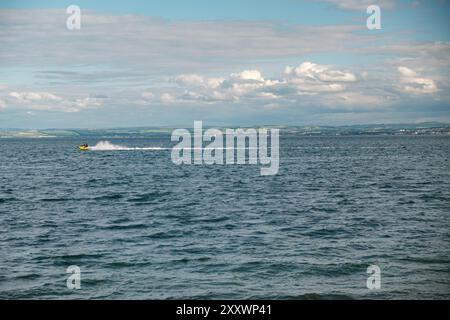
145, 63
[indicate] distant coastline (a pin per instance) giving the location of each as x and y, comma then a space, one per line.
427, 128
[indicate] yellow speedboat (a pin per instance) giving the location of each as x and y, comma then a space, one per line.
83, 148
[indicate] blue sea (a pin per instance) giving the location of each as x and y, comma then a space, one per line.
141, 227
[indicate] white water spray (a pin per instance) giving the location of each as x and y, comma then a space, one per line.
108, 146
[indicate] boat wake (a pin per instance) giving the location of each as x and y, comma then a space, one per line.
108, 146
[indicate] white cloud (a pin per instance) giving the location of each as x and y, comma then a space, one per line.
190, 79
45, 101
248, 75
406, 72
88, 102
309, 84
312, 71
167, 98
361, 4
195, 80
411, 82
34, 96
311, 78
214, 83
250, 85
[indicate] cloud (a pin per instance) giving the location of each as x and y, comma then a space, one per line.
195, 80
307, 85
361, 5
167, 98
295, 85
249, 75
45, 101
209, 89
88, 102
312, 78
309, 70
306, 79
190, 79
411, 83
34, 96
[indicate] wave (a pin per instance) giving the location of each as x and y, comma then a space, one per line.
108, 146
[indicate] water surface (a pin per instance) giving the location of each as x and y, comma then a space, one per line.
141, 227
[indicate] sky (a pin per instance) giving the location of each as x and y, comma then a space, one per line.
247, 62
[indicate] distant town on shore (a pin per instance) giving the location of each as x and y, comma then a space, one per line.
428, 128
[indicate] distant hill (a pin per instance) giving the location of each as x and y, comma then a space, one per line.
426, 128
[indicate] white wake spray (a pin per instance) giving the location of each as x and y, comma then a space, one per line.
108, 146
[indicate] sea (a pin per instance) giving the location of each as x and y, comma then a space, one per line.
139, 226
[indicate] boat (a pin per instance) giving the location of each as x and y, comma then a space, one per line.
83, 147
